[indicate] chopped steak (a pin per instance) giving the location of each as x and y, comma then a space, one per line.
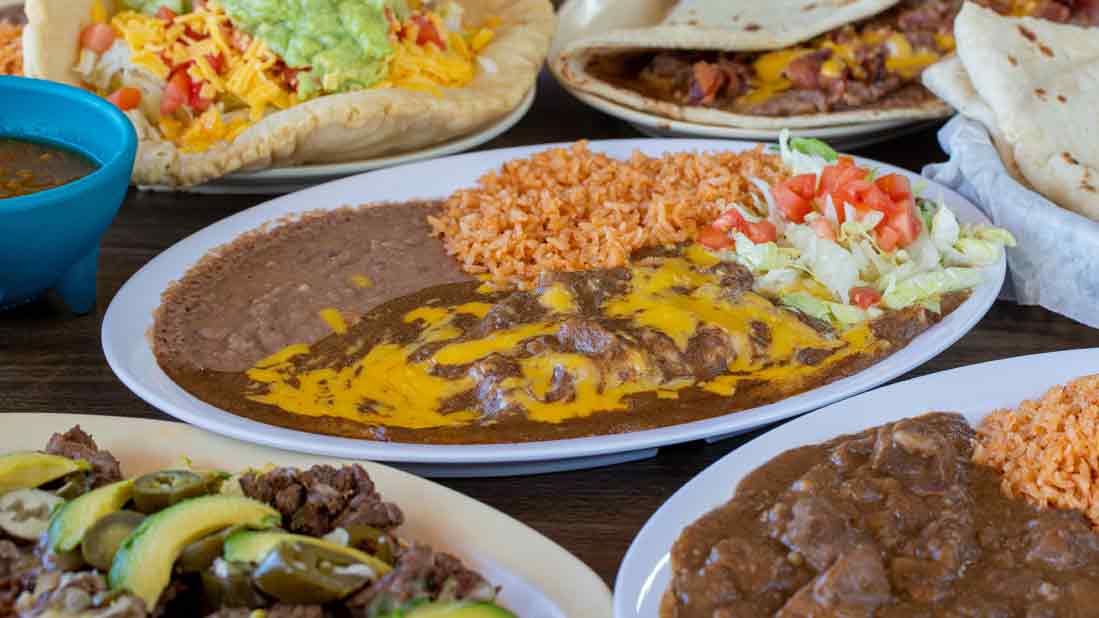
76, 444
421, 573
322, 498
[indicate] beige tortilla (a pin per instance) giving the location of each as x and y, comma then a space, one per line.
726, 26
1041, 81
949, 81
334, 128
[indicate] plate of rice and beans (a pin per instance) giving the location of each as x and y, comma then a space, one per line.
555, 306
969, 492
98, 521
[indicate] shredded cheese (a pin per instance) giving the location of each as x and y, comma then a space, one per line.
237, 71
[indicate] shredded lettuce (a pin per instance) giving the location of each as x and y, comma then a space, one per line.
150, 7
928, 285
827, 261
762, 257
823, 310
804, 156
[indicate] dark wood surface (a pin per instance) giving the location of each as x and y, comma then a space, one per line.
51, 361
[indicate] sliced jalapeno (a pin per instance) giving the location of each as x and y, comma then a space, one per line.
159, 490
102, 540
372, 540
201, 554
307, 574
229, 584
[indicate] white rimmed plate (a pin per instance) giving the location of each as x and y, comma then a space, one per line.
580, 18
539, 579
130, 316
973, 391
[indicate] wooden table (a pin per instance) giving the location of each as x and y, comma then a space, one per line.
51, 361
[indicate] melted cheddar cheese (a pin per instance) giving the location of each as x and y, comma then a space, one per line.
396, 384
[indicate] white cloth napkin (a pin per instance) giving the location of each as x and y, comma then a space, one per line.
1056, 264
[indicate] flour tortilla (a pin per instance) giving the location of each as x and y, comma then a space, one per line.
949, 81
329, 129
1040, 83
725, 25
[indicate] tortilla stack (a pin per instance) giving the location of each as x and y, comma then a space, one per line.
1034, 84
776, 32
332, 128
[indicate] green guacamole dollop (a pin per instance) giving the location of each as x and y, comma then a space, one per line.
345, 43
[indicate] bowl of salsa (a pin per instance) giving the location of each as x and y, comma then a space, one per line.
66, 157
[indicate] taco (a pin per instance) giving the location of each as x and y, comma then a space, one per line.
775, 64
220, 85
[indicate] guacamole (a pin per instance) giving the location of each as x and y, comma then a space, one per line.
345, 43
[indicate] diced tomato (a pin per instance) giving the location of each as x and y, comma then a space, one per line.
217, 62
97, 38
196, 101
845, 161
761, 231
176, 93
865, 297
794, 196
125, 98
824, 228
887, 238
729, 220
896, 186
165, 13
906, 225
428, 33
713, 238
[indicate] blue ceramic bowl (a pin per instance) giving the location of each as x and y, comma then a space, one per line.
51, 239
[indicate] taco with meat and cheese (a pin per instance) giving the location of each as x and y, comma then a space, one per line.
780, 63
213, 86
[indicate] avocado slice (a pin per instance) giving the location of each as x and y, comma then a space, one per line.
143, 564
454, 609
72, 520
254, 545
31, 469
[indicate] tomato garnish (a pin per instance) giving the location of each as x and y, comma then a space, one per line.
896, 186
125, 98
713, 238
165, 13
793, 197
176, 93
865, 297
760, 231
217, 62
97, 38
887, 238
729, 220
428, 33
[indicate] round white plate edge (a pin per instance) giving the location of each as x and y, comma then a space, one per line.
644, 573
156, 275
515, 554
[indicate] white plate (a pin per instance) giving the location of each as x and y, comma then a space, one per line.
286, 179
579, 18
973, 391
539, 578
131, 315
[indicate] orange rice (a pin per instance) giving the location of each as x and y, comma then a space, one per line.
1048, 450
568, 209
11, 49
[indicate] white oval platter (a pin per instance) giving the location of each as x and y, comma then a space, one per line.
130, 316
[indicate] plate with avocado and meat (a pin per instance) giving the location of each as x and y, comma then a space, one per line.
113, 519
